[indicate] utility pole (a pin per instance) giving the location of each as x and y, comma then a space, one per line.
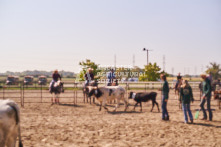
172, 71
133, 60
115, 61
144, 49
164, 63
195, 70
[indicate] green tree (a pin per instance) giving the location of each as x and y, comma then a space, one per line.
88, 64
151, 73
215, 70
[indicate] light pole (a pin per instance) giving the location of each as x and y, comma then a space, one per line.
144, 49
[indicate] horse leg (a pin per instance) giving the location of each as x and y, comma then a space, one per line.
52, 99
55, 98
58, 99
100, 106
94, 100
87, 99
84, 97
140, 106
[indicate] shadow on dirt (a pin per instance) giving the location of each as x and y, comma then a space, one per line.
206, 125
123, 112
71, 105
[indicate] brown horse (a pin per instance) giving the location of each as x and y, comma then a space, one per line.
177, 91
86, 90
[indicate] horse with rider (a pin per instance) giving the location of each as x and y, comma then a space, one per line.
56, 87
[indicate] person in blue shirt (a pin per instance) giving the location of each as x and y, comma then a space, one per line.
111, 77
165, 92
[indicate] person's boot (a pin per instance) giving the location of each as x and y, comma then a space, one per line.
203, 118
191, 121
167, 118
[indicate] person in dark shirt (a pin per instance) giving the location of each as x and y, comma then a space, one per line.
89, 76
165, 92
206, 90
186, 96
179, 77
55, 77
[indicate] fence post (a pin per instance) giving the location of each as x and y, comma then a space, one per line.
74, 93
23, 96
3, 94
41, 93
145, 87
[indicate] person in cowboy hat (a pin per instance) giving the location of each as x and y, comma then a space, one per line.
206, 97
55, 77
89, 76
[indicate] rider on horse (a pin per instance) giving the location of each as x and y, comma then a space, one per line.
55, 77
111, 76
89, 77
179, 77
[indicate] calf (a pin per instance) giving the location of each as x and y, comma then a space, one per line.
108, 93
9, 124
144, 97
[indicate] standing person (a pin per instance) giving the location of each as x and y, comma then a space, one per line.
210, 77
206, 97
89, 76
165, 92
186, 96
55, 77
111, 76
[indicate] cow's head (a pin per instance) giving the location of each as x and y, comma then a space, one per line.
130, 95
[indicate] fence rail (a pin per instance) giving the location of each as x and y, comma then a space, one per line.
73, 91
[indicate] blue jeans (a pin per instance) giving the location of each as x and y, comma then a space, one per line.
186, 108
164, 108
203, 101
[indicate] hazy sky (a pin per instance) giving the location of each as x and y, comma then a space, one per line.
58, 34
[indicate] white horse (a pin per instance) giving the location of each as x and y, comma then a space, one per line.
9, 124
56, 89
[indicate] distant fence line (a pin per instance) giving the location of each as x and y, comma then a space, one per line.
73, 91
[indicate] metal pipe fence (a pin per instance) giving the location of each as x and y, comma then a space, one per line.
74, 91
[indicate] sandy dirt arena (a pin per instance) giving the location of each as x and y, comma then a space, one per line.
70, 125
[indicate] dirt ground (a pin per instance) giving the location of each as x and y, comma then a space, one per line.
70, 125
